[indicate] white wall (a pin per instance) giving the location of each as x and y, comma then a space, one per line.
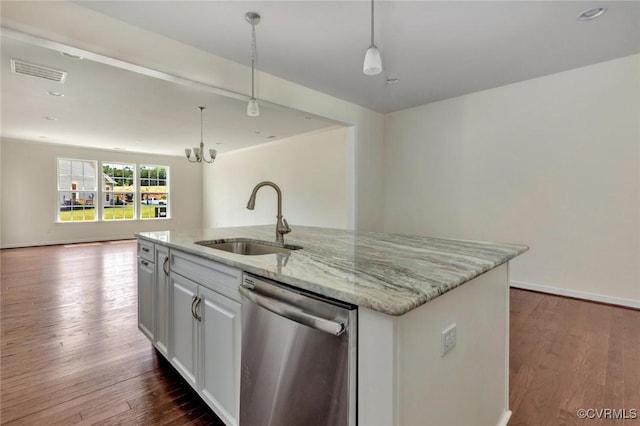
311, 171
476, 370
83, 28
552, 162
29, 195
403, 380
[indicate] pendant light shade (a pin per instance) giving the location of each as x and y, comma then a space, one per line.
253, 18
372, 62
372, 59
253, 109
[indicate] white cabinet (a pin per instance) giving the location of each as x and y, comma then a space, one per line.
184, 327
161, 301
153, 294
205, 330
146, 278
219, 353
189, 307
145, 296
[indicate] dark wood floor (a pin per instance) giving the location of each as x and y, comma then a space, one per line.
71, 353
567, 355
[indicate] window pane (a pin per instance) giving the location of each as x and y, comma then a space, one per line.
76, 190
118, 189
154, 192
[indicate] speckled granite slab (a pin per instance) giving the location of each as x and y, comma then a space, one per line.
388, 273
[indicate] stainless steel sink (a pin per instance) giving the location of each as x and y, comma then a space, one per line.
248, 247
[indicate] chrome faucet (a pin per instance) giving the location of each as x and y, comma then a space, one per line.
282, 227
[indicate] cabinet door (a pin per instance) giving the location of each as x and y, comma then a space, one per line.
161, 305
183, 328
145, 296
220, 354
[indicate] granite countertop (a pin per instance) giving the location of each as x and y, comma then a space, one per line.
388, 273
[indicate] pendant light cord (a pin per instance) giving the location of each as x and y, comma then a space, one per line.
201, 131
254, 54
372, 44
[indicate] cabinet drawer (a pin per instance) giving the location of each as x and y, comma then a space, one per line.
213, 275
146, 250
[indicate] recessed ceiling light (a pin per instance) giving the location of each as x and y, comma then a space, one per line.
257, 132
392, 80
592, 13
270, 137
71, 55
50, 118
43, 137
52, 93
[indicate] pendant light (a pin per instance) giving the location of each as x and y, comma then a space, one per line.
253, 18
372, 60
198, 153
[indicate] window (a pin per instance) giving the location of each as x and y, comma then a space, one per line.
118, 191
115, 192
154, 192
77, 190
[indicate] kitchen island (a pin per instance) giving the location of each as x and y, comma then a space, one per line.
408, 290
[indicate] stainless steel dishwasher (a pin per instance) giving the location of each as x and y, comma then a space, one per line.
299, 356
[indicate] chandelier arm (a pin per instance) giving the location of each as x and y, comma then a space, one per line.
198, 153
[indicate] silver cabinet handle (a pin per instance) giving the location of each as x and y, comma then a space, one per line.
198, 300
144, 262
294, 313
164, 265
193, 302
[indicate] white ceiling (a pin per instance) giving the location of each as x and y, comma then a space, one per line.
438, 49
112, 108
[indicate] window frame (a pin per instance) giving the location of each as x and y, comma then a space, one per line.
60, 199
99, 199
167, 192
105, 193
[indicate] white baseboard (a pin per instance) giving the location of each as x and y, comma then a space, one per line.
506, 415
61, 242
629, 303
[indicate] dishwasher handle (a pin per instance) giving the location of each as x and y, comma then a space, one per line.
293, 313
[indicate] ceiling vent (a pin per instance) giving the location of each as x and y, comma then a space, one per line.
38, 71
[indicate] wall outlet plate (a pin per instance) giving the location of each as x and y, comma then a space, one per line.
448, 339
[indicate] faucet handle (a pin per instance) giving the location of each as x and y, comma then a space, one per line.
286, 228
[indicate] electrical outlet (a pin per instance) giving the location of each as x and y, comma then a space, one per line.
448, 339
